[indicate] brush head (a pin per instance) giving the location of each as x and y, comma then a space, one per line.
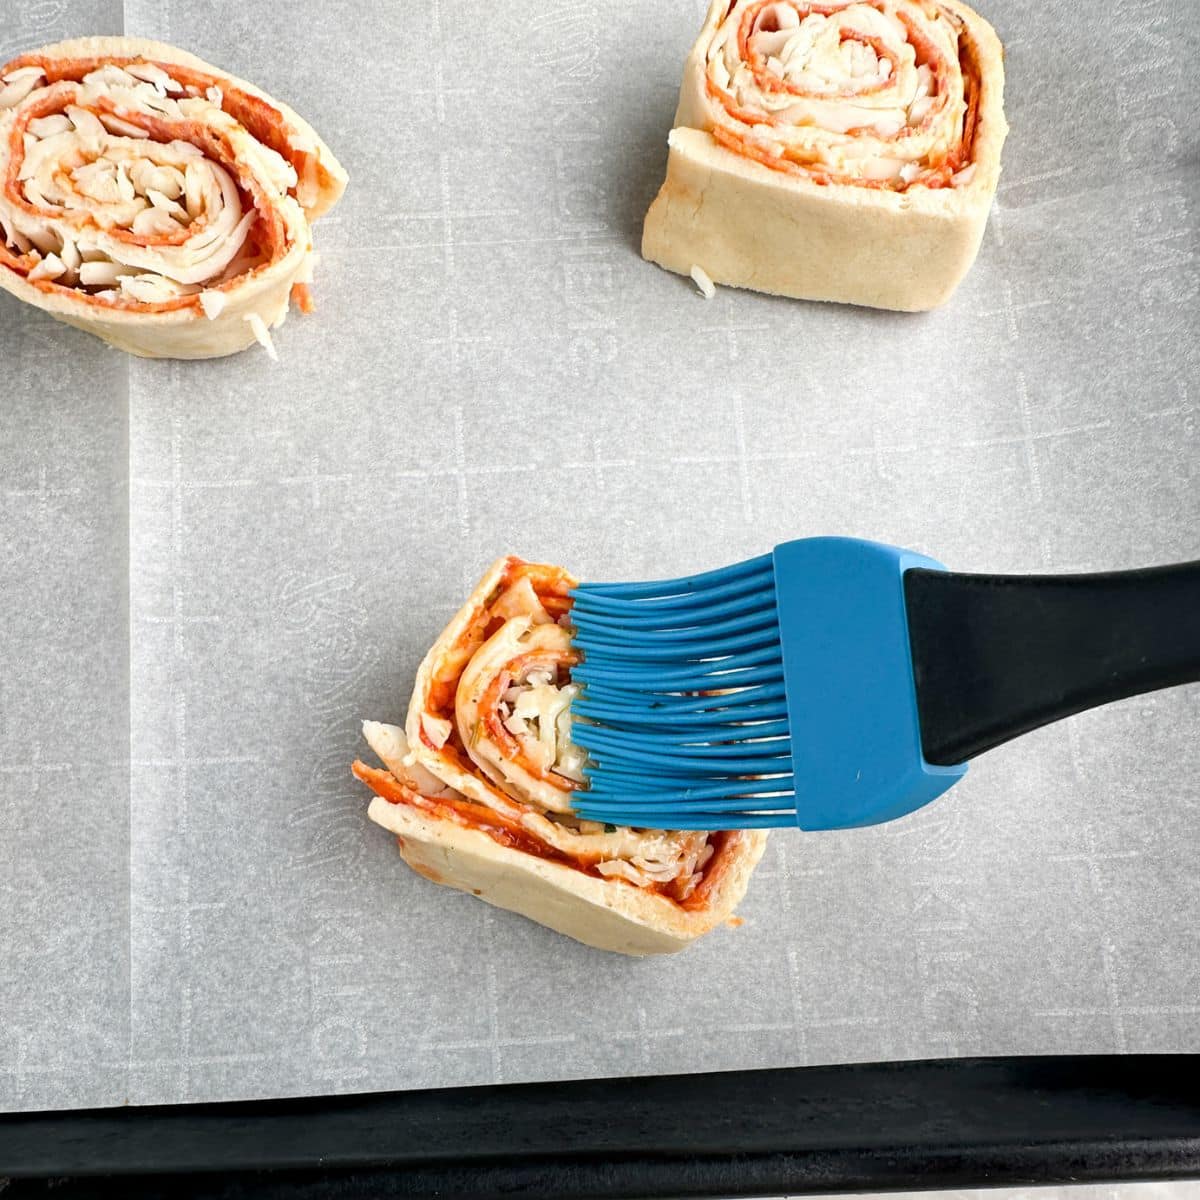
775, 692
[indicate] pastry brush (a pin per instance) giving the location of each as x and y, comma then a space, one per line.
836, 682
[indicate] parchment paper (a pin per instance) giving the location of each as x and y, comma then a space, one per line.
212, 571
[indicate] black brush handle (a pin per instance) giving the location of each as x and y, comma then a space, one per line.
995, 656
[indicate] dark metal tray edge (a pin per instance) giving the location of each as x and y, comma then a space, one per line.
862, 1127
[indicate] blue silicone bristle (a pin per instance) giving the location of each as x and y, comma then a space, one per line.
662, 754
774, 692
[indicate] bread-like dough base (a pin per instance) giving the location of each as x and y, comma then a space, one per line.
608, 914
749, 226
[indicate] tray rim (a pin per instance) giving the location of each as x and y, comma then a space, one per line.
918, 1124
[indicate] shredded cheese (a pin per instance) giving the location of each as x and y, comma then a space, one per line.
701, 279
213, 303
262, 335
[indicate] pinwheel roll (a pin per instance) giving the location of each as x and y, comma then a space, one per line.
842, 150
153, 200
478, 787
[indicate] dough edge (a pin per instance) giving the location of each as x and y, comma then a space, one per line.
607, 914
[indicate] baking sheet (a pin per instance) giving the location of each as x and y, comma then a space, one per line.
213, 571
